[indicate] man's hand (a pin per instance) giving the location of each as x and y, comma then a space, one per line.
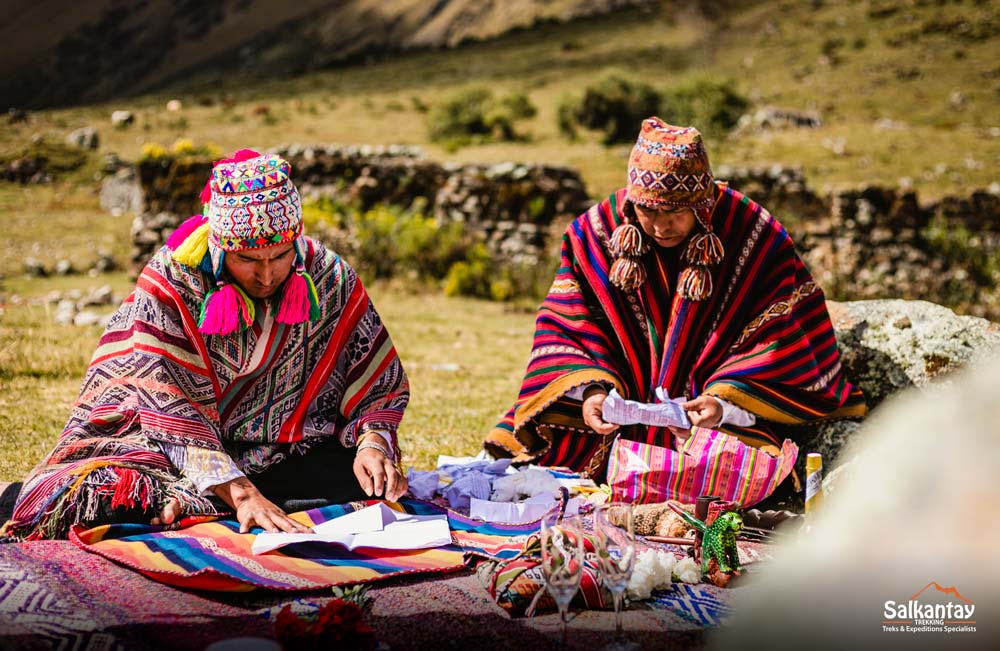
376, 472
253, 509
593, 410
704, 411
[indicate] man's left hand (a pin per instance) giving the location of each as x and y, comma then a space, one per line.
704, 411
376, 472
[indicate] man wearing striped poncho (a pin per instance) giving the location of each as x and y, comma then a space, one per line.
678, 282
248, 367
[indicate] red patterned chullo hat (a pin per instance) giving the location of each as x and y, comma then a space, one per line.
669, 168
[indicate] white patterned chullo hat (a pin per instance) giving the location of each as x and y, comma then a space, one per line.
254, 204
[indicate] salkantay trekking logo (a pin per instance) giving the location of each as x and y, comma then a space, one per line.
943, 610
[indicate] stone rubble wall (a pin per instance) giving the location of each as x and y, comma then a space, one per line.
871, 242
511, 205
860, 243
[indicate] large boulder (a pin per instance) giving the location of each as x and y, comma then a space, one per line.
887, 346
890, 345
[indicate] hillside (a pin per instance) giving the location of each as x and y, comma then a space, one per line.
63, 52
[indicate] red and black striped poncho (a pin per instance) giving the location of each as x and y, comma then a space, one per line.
763, 339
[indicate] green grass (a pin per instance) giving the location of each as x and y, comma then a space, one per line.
63, 220
450, 411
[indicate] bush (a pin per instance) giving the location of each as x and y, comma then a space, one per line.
713, 106
614, 105
476, 114
388, 241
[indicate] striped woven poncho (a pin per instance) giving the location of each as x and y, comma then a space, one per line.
762, 340
258, 394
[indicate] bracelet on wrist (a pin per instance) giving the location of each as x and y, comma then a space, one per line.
375, 446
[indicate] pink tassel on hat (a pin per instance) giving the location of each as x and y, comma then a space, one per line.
295, 300
237, 157
221, 312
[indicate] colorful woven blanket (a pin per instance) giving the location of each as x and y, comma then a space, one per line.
213, 555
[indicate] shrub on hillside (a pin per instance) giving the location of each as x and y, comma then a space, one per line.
387, 241
390, 242
614, 105
713, 106
477, 114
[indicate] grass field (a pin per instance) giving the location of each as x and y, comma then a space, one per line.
931, 68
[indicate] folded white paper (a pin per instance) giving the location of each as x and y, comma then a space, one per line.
666, 413
517, 512
376, 526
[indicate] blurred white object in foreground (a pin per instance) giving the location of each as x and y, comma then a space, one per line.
914, 517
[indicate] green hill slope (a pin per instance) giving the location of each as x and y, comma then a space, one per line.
904, 89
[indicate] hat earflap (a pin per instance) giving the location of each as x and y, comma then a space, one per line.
627, 245
703, 249
299, 302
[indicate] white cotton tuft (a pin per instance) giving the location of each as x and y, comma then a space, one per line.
687, 570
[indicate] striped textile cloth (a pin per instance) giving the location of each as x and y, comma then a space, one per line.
763, 339
258, 394
213, 555
709, 463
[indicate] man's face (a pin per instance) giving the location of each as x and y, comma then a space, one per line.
260, 272
668, 226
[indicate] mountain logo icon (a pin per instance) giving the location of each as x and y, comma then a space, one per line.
951, 592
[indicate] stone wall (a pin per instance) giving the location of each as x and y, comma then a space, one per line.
511, 205
873, 242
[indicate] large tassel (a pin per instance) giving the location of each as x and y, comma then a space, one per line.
184, 231
294, 306
626, 240
627, 273
221, 311
704, 249
192, 251
695, 283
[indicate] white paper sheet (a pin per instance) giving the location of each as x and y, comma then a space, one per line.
517, 512
666, 413
376, 526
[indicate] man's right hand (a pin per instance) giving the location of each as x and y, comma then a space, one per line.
253, 509
593, 410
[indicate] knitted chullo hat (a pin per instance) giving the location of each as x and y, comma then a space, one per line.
669, 168
250, 203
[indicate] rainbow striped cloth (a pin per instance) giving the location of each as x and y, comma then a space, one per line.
214, 555
708, 463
